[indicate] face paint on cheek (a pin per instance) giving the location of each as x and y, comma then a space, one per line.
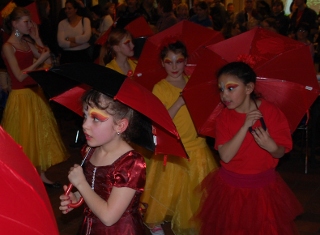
99, 114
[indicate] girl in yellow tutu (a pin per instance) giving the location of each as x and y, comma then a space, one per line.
27, 116
170, 190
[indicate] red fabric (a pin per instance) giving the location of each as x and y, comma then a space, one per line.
236, 204
24, 59
127, 171
250, 158
33, 12
23, 190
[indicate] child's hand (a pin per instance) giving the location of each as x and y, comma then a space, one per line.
66, 200
76, 175
251, 118
264, 140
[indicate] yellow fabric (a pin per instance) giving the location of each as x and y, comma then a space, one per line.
113, 65
170, 190
31, 123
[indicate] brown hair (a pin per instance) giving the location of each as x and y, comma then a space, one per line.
115, 108
16, 14
115, 37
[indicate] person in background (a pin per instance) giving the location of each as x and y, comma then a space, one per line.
246, 195
127, 12
149, 12
121, 46
281, 19
27, 116
192, 10
303, 14
232, 29
167, 17
113, 176
270, 24
202, 15
248, 14
74, 34
230, 12
302, 34
182, 12
47, 30
218, 15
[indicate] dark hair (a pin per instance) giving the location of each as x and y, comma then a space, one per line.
42, 8
16, 14
176, 47
98, 10
303, 25
116, 109
242, 71
167, 5
202, 4
278, 3
271, 22
73, 3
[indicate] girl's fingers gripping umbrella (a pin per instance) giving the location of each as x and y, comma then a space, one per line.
70, 186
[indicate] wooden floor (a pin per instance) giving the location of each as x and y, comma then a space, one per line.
291, 167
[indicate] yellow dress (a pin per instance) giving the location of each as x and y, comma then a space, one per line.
171, 191
30, 122
113, 65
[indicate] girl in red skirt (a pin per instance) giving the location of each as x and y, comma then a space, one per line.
246, 196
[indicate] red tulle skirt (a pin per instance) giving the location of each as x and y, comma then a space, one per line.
236, 204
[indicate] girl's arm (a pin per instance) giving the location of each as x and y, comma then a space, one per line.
19, 73
109, 212
228, 150
173, 110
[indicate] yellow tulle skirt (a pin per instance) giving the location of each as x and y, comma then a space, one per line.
172, 191
29, 119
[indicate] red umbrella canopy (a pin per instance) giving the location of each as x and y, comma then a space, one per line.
24, 203
149, 70
138, 28
285, 76
66, 83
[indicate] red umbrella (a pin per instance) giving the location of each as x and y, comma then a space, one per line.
149, 70
285, 76
66, 84
138, 28
24, 203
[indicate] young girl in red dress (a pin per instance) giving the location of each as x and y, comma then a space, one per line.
246, 195
113, 174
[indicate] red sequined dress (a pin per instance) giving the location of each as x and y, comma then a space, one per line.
127, 171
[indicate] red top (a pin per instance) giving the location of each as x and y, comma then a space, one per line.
127, 171
24, 59
250, 158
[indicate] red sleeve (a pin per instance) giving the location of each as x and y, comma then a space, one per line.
278, 126
131, 172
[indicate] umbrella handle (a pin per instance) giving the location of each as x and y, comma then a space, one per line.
73, 205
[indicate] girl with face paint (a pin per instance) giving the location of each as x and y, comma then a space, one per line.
121, 46
253, 199
112, 176
170, 190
